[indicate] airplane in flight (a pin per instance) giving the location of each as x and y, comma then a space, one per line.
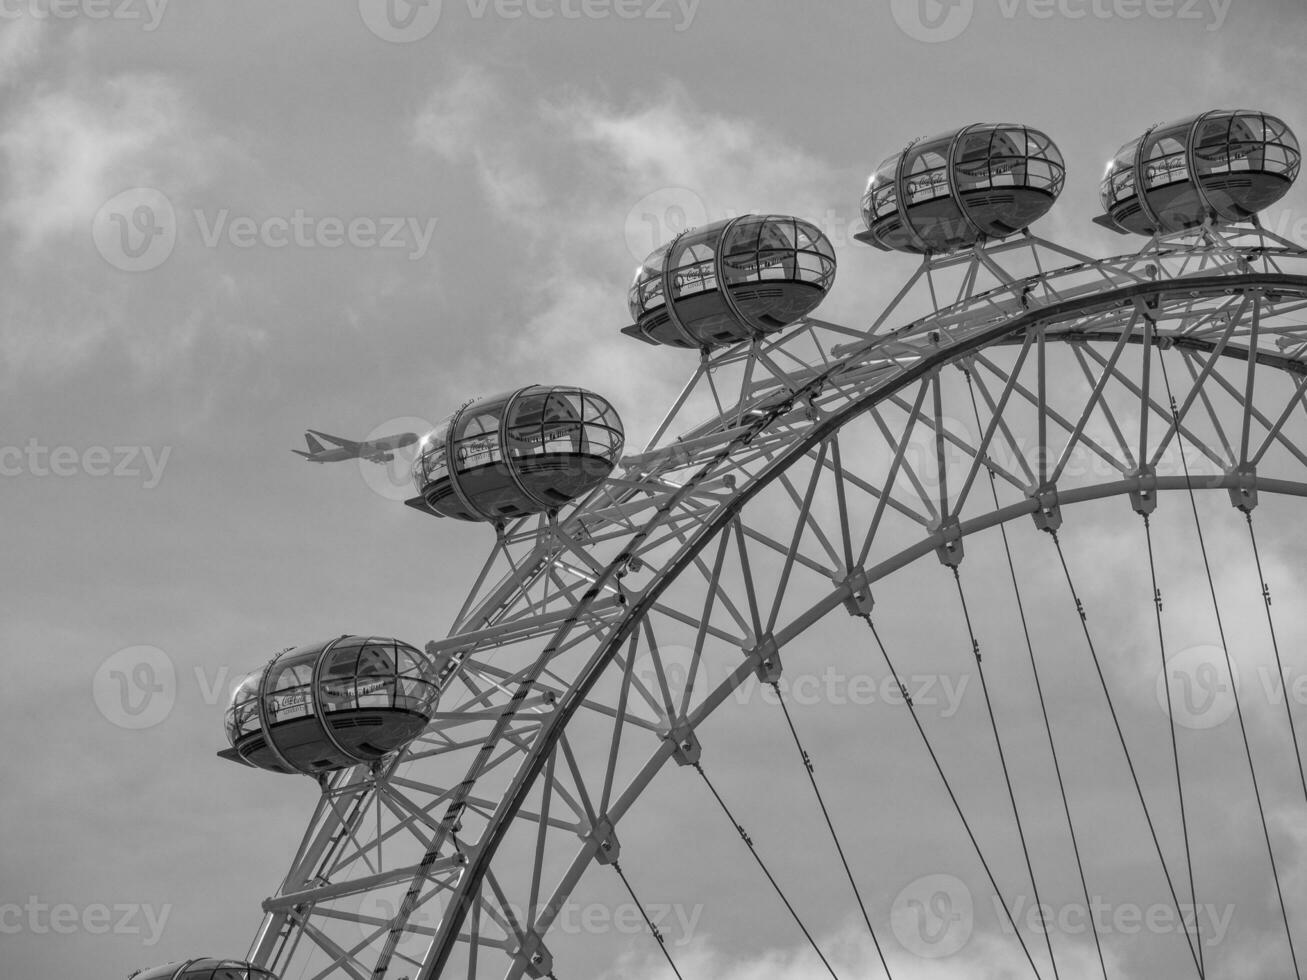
375, 451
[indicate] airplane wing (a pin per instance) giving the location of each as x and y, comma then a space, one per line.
375, 451
342, 443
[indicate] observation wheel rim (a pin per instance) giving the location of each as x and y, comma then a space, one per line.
1042, 317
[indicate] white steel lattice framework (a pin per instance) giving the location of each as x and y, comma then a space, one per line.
790, 477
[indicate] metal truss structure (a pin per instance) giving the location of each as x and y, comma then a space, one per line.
790, 479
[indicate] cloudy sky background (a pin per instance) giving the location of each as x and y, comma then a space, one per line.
528, 150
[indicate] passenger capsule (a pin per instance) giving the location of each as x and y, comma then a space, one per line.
978, 183
205, 969
731, 281
332, 705
526, 452
1221, 166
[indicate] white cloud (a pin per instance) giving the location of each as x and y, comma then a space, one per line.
69, 149
566, 172
20, 43
851, 953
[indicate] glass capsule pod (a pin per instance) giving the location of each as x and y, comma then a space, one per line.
1221, 166
332, 705
981, 182
525, 452
205, 969
731, 281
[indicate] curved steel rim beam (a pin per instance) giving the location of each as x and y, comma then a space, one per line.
552, 731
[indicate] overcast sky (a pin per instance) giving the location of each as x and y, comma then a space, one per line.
366, 225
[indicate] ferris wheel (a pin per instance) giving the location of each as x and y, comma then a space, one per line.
1033, 468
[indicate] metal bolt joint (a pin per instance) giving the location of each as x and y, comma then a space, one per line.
767, 659
687, 750
607, 848
1048, 513
1243, 496
1143, 495
536, 960
950, 550
859, 601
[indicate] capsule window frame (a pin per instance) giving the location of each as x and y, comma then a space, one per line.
414, 688
1276, 152
562, 414
722, 262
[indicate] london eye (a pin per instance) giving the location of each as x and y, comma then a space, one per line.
1100, 446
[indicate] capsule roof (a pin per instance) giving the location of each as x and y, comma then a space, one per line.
731, 281
1222, 166
527, 451
980, 182
205, 969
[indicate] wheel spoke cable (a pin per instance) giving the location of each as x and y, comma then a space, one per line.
1275, 644
1175, 746
1002, 758
744, 836
653, 929
1039, 690
848, 872
1120, 733
948, 786
1229, 666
